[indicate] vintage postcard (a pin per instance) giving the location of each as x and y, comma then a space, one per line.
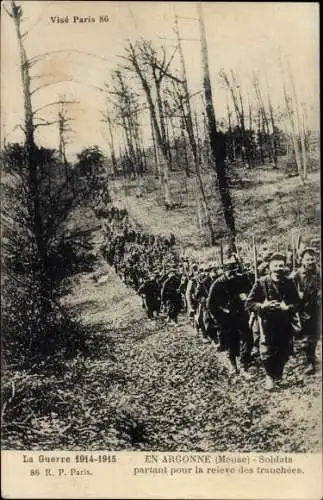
160, 243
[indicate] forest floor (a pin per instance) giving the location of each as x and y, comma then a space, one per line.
144, 385
148, 386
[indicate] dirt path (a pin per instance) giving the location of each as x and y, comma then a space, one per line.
173, 391
143, 385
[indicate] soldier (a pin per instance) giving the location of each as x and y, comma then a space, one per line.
226, 306
217, 304
134, 276
307, 281
241, 285
171, 296
275, 300
210, 326
172, 239
150, 292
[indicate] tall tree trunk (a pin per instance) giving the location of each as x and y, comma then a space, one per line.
172, 127
167, 140
186, 159
198, 139
113, 156
245, 144
260, 138
231, 136
274, 133
158, 173
159, 136
188, 119
30, 146
239, 111
294, 136
299, 127
217, 146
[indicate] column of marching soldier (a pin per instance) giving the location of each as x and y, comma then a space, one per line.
246, 318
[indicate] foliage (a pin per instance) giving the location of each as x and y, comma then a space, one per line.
90, 165
35, 325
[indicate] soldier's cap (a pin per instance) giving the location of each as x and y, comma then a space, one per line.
231, 266
277, 256
212, 266
308, 250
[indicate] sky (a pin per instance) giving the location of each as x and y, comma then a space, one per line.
261, 37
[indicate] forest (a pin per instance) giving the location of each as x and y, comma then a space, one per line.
79, 359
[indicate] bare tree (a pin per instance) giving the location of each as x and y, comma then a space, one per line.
111, 144
294, 136
188, 120
268, 136
151, 71
299, 125
63, 129
235, 91
232, 149
274, 128
216, 142
29, 129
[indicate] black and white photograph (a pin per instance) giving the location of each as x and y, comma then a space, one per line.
160, 227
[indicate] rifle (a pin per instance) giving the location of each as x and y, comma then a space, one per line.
221, 253
286, 248
298, 243
255, 257
294, 254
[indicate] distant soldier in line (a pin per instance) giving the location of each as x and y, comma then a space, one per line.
226, 305
150, 292
218, 304
133, 276
275, 300
307, 281
171, 296
210, 325
242, 336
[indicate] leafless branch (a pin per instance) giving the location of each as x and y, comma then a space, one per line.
53, 104
44, 75
49, 84
35, 59
45, 124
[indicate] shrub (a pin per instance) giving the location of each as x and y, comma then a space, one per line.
35, 325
